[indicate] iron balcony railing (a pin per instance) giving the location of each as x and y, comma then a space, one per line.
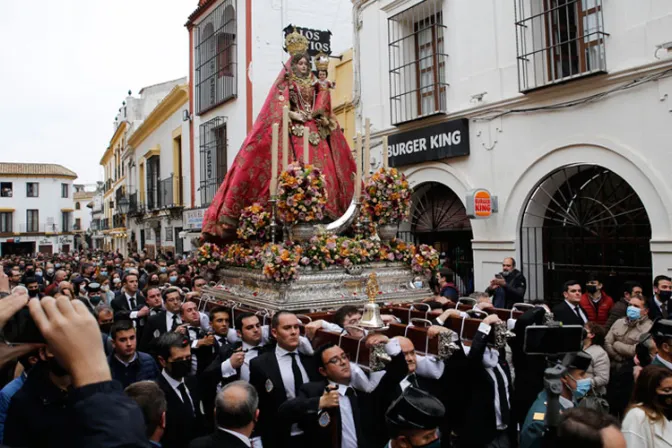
118, 221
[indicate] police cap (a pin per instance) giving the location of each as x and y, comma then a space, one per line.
415, 409
662, 330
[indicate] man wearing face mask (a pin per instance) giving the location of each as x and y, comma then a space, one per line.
575, 386
40, 414
662, 335
184, 414
624, 335
33, 287
508, 287
92, 296
659, 304
595, 302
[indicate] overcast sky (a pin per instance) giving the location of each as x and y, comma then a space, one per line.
66, 68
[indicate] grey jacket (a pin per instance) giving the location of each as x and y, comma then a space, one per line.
624, 336
598, 371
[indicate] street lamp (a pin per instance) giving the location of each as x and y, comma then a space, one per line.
123, 205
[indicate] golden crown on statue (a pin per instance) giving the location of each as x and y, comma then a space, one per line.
296, 43
321, 61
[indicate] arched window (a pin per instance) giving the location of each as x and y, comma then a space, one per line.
226, 57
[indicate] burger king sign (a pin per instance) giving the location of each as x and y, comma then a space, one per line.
480, 204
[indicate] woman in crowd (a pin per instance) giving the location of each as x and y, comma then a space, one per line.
104, 281
593, 344
647, 421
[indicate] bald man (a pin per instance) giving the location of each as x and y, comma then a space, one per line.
509, 286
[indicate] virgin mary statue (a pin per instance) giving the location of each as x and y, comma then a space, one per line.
248, 179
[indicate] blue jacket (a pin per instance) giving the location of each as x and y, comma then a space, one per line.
6, 395
142, 368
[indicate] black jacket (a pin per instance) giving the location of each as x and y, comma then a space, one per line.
218, 439
477, 426
513, 291
304, 410
155, 327
142, 368
654, 311
182, 425
563, 313
120, 305
40, 414
529, 368
266, 378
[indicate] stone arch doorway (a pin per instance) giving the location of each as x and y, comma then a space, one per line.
439, 219
581, 219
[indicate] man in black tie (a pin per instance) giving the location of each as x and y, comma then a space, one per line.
277, 375
163, 321
129, 303
236, 413
201, 342
220, 320
184, 415
569, 312
154, 301
659, 302
330, 411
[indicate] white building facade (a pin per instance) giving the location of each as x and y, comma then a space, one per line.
560, 109
36, 208
236, 53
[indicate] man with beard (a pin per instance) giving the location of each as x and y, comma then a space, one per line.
39, 414
508, 287
184, 414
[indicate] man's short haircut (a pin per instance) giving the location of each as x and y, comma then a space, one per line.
319, 351
193, 281
568, 283
513, 261
102, 308
30, 280
152, 402
153, 288
276, 317
343, 312
219, 309
645, 303
233, 413
660, 278
580, 428
447, 274
120, 325
630, 285
172, 289
169, 340
242, 316
130, 274
593, 277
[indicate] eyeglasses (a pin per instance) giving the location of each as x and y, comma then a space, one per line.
338, 359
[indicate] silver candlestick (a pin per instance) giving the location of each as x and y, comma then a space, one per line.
274, 225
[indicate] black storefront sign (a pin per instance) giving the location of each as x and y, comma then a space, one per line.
436, 142
319, 40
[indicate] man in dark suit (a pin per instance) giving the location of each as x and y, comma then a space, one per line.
163, 321
202, 342
569, 312
486, 418
277, 376
129, 303
660, 300
331, 411
152, 402
184, 414
236, 413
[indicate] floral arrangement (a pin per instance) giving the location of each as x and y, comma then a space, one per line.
239, 255
396, 250
281, 262
253, 222
387, 197
329, 250
425, 259
301, 194
208, 252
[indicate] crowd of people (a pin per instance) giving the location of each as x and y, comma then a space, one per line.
107, 351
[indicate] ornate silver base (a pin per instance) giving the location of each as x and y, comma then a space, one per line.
314, 290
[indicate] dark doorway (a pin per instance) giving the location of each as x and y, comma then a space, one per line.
584, 219
142, 239
439, 219
179, 242
17, 248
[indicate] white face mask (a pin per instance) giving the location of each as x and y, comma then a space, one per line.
105, 288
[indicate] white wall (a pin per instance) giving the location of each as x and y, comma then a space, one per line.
49, 203
627, 132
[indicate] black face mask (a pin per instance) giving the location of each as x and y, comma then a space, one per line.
179, 369
591, 289
665, 402
665, 295
56, 368
105, 328
95, 300
33, 292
